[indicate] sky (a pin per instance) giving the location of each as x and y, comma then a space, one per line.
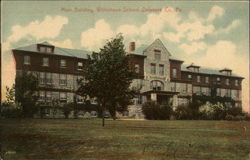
209, 34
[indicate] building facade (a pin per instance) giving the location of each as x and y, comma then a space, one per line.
159, 77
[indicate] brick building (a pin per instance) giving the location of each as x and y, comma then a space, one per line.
160, 77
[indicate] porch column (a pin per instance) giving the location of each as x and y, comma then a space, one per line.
175, 101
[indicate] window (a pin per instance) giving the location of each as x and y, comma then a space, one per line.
237, 94
157, 55
190, 77
48, 96
80, 66
227, 93
227, 81
236, 82
137, 68
157, 85
42, 95
218, 92
138, 99
218, 79
207, 79
46, 62
138, 84
153, 69
26, 60
161, 69
42, 49
45, 49
62, 63
63, 79
174, 73
63, 96
42, 78
49, 50
48, 78
198, 79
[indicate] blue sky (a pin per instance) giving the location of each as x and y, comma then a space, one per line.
210, 34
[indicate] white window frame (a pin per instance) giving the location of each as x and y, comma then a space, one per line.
174, 73
63, 63
157, 55
153, 68
207, 79
26, 60
45, 61
63, 79
137, 68
161, 69
42, 77
79, 65
198, 79
236, 82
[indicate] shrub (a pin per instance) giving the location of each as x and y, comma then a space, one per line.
229, 117
11, 110
152, 110
67, 108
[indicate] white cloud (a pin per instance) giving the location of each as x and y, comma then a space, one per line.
94, 38
193, 48
156, 22
50, 27
173, 37
234, 24
128, 30
216, 11
226, 54
198, 31
67, 43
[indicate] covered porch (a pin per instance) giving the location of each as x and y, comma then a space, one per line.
161, 97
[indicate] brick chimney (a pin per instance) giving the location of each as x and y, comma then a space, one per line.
131, 47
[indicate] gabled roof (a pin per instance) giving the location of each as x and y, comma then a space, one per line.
206, 70
46, 43
158, 40
57, 51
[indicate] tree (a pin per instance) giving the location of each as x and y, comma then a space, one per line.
26, 86
108, 77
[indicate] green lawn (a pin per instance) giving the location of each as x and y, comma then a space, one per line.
124, 139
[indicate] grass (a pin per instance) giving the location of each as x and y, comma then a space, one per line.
124, 139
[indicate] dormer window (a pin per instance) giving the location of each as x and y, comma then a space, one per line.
63, 63
80, 66
226, 71
157, 55
45, 47
193, 68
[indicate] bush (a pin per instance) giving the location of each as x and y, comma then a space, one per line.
154, 111
67, 108
11, 110
229, 117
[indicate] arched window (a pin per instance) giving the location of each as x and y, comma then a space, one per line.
156, 85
